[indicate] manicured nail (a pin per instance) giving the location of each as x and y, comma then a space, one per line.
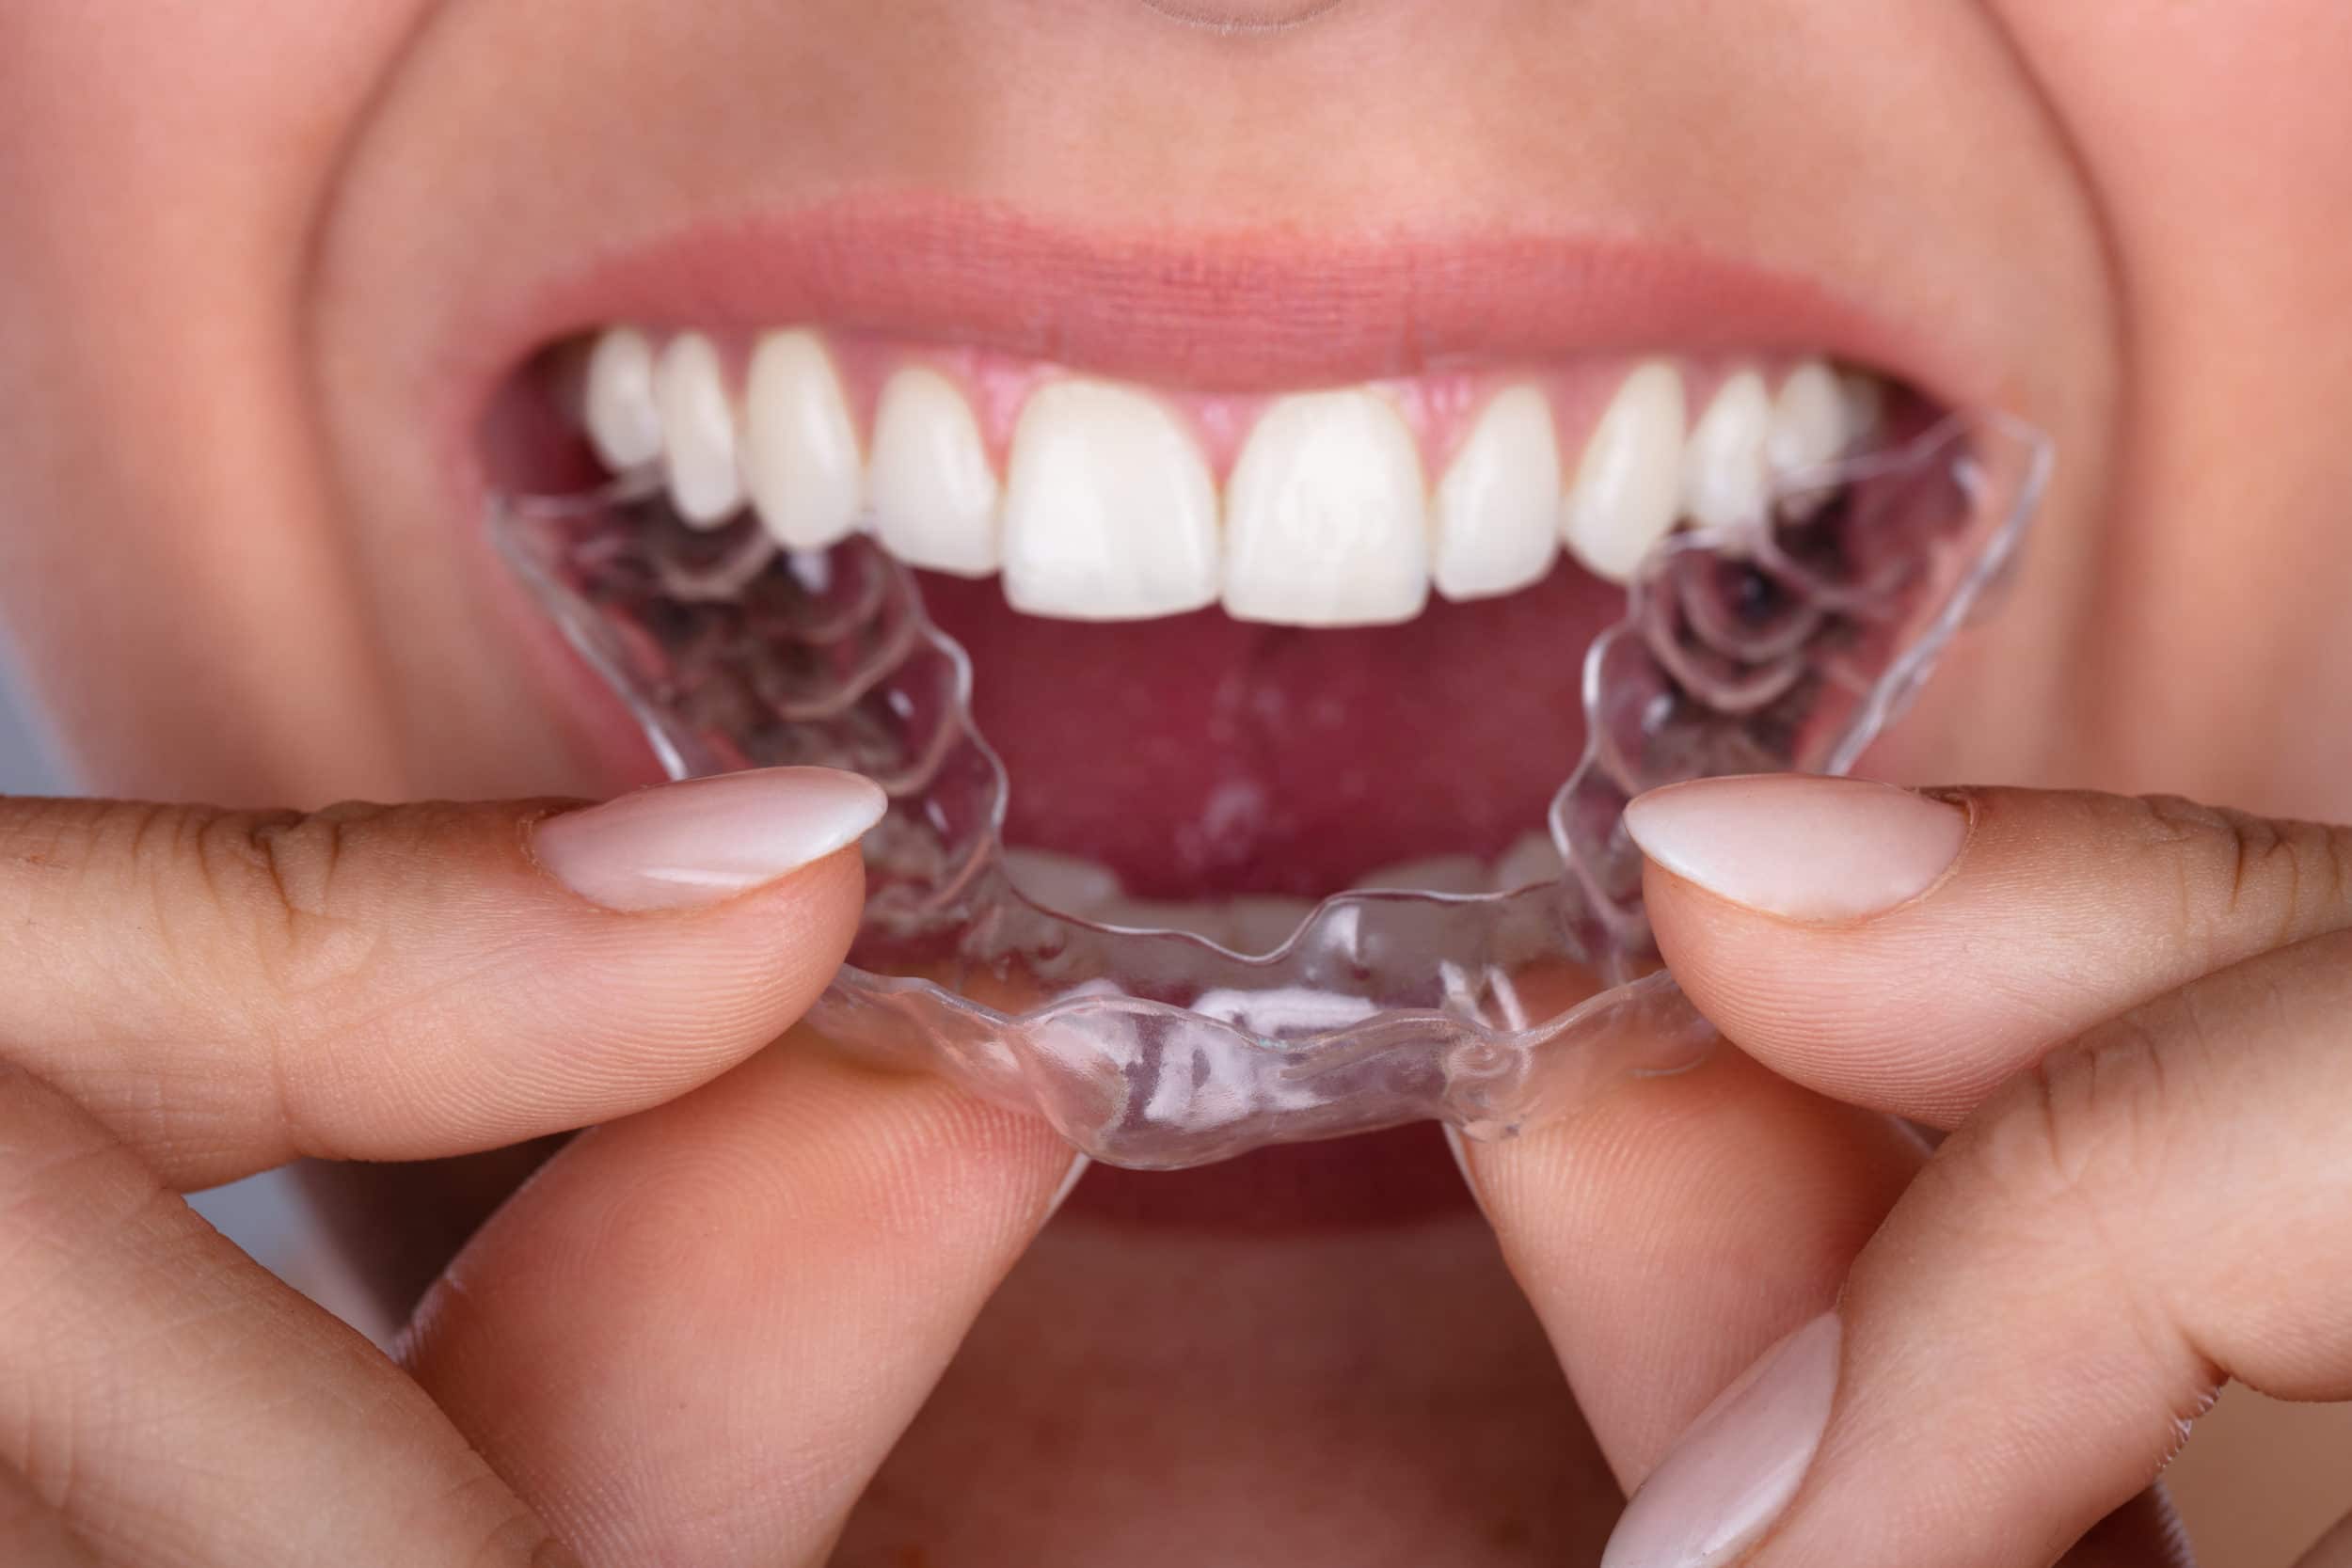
1734, 1471
677, 845
1799, 845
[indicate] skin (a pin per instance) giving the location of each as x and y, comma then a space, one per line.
246, 262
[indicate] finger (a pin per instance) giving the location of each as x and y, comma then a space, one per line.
227, 992
166, 1401
2157, 1207
696, 1333
1676, 1227
2331, 1550
33, 1534
1910, 951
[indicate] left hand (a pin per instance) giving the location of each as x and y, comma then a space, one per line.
2138, 1016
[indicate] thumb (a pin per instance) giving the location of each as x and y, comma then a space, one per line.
1911, 951
229, 990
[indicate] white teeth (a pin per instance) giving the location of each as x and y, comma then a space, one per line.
623, 420
800, 450
1326, 524
1498, 507
934, 493
697, 431
1110, 510
1808, 426
1629, 487
1107, 510
1724, 467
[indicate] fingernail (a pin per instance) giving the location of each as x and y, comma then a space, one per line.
1734, 1471
1799, 846
678, 845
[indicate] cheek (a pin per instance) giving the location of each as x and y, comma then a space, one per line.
2218, 142
164, 576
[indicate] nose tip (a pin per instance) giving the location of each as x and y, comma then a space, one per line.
1244, 16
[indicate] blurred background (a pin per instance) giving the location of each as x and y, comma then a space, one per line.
24, 765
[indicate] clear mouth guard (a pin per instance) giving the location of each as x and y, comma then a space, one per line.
1787, 645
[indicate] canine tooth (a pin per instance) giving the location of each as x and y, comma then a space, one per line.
1433, 874
800, 450
1724, 477
1326, 522
1498, 506
1064, 883
623, 420
1110, 510
697, 431
934, 493
1629, 485
1808, 426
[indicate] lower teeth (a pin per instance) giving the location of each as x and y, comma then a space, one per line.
1777, 647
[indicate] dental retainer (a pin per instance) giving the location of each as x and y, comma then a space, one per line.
1787, 645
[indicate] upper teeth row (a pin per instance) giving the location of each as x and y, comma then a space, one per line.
1109, 510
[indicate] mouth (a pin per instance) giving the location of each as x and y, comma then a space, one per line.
1257, 744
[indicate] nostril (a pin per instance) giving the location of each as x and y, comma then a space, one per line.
1242, 16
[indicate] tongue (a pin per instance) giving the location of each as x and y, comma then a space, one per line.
1198, 756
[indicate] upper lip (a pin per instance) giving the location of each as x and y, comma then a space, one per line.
1242, 310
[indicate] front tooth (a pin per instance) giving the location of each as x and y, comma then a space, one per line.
1498, 506
1326, 524
934, 493
1724, 471
800, 450
1110, 510
697, 431
623, 420
1628, 487
1808, 426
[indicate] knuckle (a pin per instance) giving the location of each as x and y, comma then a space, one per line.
214, 892
2081, 1138
2072, 1164
2279, 880
275, 880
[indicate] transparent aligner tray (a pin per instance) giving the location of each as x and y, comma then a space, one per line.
1787, 645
